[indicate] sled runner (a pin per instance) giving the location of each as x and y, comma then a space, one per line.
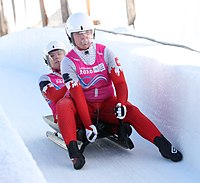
122, 138
56, 136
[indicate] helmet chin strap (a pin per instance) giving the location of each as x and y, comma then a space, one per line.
48, 57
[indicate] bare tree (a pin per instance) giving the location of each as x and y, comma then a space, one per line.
43, 13
3, 21
65, 10
130, 8
14, 12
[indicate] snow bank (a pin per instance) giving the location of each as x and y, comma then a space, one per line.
165, 85
17, 164
163, 82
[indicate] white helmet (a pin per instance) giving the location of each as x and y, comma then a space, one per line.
51, 46
54, 45
78, 22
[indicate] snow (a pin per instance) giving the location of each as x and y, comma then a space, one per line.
17, 164
163, 82
174, 21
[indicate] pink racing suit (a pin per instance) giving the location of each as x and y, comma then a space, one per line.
94, 79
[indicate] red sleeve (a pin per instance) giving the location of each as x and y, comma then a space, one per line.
120, 86
81, 104
55, 95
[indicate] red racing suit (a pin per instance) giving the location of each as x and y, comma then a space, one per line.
53, 88
91, 77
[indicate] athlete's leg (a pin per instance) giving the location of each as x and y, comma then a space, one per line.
143, 126
67, 114
134, 117
68, 122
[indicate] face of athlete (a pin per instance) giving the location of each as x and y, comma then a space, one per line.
56, 57
83, 39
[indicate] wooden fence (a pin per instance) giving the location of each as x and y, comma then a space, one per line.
65, 11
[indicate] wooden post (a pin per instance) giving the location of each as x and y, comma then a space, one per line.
43, 13
130, 9
3, 21
65, 10
95, 22
88, 6
1, 18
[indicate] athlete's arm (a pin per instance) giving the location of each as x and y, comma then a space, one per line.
49, 91
117, 76
68, 71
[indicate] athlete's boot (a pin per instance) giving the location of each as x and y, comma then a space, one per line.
167, 150
75, 155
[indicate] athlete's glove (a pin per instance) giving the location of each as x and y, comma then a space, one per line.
91, 133
120, 111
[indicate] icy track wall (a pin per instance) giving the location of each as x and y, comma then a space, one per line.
17, 164
165, 85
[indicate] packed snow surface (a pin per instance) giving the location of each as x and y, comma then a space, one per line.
163, 82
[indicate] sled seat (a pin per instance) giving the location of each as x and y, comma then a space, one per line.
102, 128
104, 131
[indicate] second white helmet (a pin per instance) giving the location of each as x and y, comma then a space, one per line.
51, 46
79, 22
54, 45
